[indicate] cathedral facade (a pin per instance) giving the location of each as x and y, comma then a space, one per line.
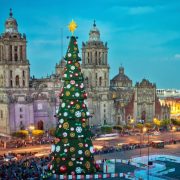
26, 100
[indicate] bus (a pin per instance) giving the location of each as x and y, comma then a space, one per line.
158, 144
107, 136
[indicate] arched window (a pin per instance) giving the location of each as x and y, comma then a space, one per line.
23, 73
23, 82
17, 80
100, 81
11, 83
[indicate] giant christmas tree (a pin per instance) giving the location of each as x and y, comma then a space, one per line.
72, 152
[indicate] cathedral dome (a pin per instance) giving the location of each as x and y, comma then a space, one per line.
94, 34
121, 80
11, 25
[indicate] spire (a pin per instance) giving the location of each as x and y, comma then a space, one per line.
10, 13
94, 25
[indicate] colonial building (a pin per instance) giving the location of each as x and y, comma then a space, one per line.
26, 100
23, 101
95, 68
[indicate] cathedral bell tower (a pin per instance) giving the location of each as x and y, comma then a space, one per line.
96, 77
14, 66
94, 60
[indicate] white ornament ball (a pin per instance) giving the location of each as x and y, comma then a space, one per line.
53, 148
86, 145
63, 105
65, 75
69, 54
78, 114
72, 67
72, 129
82, 85
77, 94
61, 121
64, 134
87, 113
65, 150
91, 149
57, 148
68, 86
60, 126
65, 114
80, 152
78, 170
78, 129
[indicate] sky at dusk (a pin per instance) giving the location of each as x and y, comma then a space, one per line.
142, 35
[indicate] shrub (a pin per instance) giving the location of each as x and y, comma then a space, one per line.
21, 134
106, 129
37, 132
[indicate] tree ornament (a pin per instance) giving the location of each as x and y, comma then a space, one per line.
57, 148
69, 62
68, 86
53, 148
72, 67
91, 149
63, 105
79, 129
66, 125
72, 82
78, 114
65, 114
65, 134
63, 169
78, 170
83, 120
77, 94
76, 74
72, 102
69, 55
61, 121
97, 166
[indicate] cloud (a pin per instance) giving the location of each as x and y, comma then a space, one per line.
177, 56
140, 10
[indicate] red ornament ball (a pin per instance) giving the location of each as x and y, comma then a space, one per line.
73, 173
97, 166
71, 103
63, 169
69, 62
83, 120
83, 105
63, 159
76, 74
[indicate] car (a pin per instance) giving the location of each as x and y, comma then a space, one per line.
10, 158
156, 133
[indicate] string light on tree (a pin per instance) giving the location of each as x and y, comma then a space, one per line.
73, 151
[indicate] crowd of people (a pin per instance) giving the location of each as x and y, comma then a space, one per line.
26, 167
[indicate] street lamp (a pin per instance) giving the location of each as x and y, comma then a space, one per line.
145, 130
173, 130
31, 128
132, 122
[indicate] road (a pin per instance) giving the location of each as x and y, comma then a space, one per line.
136, 139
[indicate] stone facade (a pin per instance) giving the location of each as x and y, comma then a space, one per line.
26, 100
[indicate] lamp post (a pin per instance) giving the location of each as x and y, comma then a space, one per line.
31, 128
145, 130
173, 130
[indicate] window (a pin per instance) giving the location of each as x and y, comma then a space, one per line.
15, 53
21, 53
23, 82
10, 52
39, 106
21, 116
11, 73
20, 109
100, 81
11, 83
17, 80
1, 114
23, 73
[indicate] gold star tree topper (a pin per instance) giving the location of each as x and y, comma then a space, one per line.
72, 26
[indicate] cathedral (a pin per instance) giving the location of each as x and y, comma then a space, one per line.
26, 100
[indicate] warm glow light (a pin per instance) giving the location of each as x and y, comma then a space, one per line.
132, 121
144, 129
174, 128
31, 127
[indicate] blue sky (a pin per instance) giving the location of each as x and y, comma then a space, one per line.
142, 35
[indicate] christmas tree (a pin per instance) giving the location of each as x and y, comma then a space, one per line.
72, 152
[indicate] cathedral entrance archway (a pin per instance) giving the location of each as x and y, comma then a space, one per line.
143, 116
40, 125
